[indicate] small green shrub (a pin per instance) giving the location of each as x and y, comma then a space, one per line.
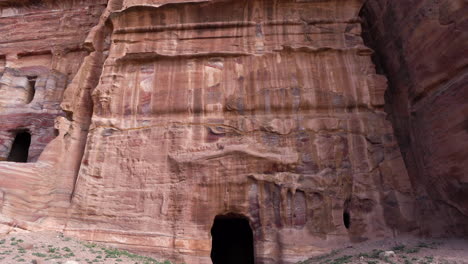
39, 255
376, 253
423, 245
412, 250
398, 248
342, 260
67, 249
90, 245
429, 259
69, 255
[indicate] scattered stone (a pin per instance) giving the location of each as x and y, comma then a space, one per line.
387, 254
27, 245
71, 262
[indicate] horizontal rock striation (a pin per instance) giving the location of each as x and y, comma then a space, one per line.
269, 110
149, 120
41, 51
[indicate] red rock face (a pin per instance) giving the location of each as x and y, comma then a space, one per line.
421, 45
171, 114
41, 50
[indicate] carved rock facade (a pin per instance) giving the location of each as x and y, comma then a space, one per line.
160, 116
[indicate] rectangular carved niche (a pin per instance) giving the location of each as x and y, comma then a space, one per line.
20, 148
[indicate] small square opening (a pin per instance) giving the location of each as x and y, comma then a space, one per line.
20, 148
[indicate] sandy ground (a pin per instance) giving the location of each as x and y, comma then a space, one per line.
401, 250
54, 248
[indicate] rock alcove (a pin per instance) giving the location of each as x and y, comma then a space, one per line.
20, 148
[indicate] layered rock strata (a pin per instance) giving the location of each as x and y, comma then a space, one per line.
176, 112
421, 45
268, 110
41, 51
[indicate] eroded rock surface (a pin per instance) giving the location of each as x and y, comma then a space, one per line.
171, 113
421, 45
41, 51
268, 110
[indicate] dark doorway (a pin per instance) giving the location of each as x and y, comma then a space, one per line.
346, 219
20, 149
232, 240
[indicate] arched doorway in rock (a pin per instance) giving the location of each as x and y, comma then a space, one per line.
232, 240
20, 148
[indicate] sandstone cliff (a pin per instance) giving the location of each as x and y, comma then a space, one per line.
149, 119
421, 46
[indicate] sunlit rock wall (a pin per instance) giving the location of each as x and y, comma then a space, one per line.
174, 112
41, 50
271, 110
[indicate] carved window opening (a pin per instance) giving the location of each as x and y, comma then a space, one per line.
32, 85
20, 148
232, 240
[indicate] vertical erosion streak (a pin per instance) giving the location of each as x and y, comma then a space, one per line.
369, 19
78, 102
426, 101
391, 208
83, 119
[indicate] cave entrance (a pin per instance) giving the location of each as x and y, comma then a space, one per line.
232, 240
20, 149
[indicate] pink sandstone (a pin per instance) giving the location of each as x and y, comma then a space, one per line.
150, 118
